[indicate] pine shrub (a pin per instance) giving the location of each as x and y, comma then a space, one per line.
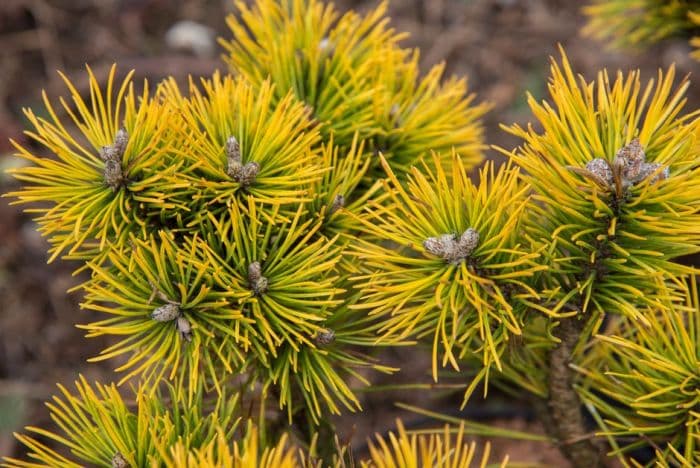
253, 239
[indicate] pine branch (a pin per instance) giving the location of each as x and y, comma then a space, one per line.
567, 420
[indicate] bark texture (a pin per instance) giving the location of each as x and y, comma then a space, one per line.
564, 403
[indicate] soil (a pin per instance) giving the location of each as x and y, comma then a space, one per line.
503, 46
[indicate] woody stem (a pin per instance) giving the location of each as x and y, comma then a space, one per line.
568, 425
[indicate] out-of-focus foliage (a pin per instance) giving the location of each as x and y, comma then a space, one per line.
638, 23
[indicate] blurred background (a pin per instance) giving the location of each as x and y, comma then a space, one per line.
503, 46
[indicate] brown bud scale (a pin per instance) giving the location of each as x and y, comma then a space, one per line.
601, 170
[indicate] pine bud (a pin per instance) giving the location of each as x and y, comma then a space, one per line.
166, 313
234, 166
121, 139
184, 327
233, 149
652, 168
112, 174
118, 461
601, 172
113, 156
107, 153
440, 246
258, 283
254, 272
324, 337
248, 174
630, 166
260, 286
451, 249
631, 158
338, 203
468, 241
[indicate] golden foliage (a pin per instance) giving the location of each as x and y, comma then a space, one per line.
438, 450
470, 303
644, 381
634, 23
611, 243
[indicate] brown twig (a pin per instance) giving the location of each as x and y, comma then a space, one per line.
568, 425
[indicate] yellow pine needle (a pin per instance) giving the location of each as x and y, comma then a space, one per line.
220, 452
615, 245
440, 449
647, 388
638, 23
82, 206
277, 136
97, 424
329, 61
413, 293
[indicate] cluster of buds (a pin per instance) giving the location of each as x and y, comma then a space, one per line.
113, 155
244, 174
258, 283
450, 248
170, 311
629, 167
